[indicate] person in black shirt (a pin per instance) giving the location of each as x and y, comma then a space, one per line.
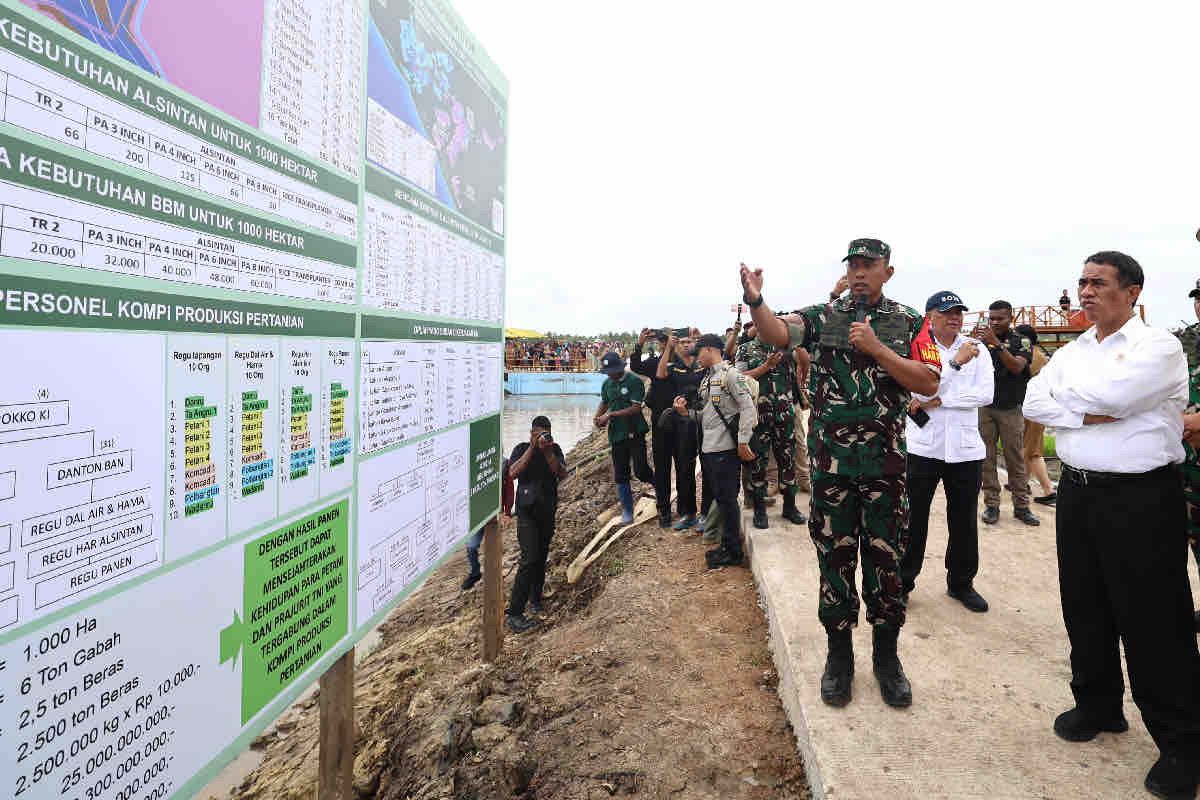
1002, 421
537, 466
658, 400
682, 371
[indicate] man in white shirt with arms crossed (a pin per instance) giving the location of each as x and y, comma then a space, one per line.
1115, 397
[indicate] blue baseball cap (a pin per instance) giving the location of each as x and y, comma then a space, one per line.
611, 362
944, 301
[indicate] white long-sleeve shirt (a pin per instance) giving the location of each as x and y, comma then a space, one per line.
952, 433
1137, 375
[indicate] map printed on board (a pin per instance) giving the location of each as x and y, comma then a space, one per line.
252, 371
434, 117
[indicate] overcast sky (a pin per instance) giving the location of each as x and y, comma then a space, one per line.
655, 144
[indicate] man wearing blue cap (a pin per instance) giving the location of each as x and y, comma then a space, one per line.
944, 445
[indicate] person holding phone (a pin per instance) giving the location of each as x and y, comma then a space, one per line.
944, 445
537, 466
659, 400
1001, 422
682, 372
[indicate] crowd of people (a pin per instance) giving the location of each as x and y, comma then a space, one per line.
901, 401
551, 355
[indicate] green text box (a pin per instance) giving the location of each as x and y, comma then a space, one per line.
295, 602
37, 301
486, 459
380, 327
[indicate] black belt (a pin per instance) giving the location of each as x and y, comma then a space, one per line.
1091, 477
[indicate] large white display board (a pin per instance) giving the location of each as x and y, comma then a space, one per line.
251, 289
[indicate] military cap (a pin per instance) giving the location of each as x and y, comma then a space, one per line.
868, 248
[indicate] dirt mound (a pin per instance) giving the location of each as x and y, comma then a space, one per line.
650, 677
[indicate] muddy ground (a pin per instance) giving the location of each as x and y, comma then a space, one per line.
649, 677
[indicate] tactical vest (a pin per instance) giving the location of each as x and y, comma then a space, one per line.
891, 325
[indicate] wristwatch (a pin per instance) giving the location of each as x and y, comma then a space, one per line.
954, 365
754, 303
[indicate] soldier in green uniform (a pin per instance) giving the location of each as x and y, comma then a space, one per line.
775, 371
868, 354
1190, 338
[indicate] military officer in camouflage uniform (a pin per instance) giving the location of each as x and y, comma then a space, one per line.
862, 375
775, 372
1190, 338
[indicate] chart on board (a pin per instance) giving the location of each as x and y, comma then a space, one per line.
252, 270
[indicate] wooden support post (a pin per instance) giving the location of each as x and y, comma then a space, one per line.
336, 758
493, 590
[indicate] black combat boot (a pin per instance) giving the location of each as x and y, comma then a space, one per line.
839, 669
760, 514
893, 685
790, 512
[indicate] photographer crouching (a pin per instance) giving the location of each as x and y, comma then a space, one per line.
727, 419
537, 466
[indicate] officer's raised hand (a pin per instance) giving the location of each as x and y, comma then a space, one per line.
745, 453
752, 283
863, 338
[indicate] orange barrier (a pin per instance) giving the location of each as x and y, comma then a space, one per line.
1041, 318
586, 364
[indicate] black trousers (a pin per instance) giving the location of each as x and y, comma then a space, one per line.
535, 529
1122, 570
627, 450
687, 450
662, 448
961, 482
674, 442
725, 478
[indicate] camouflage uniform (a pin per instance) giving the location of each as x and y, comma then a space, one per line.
857, 447
776, 429
1190, 338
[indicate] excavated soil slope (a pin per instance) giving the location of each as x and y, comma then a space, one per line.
648, 677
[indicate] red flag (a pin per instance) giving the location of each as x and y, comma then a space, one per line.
925, 349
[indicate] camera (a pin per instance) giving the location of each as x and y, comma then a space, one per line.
545, 436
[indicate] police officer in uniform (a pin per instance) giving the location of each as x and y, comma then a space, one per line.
1189, 337
775, 371
727, 418
868, 354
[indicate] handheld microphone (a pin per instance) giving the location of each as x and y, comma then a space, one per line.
861, 305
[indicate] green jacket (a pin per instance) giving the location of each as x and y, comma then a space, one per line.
619, 395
